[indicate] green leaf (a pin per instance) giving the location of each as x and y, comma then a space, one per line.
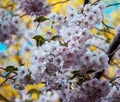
55, 37
65, 44
11, 69
40, 19
22, 64
76, 74
39, 92
28, 77
39, 40
28, 101
32, 91
80, 81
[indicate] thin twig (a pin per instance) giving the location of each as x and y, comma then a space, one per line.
107, 26
59, 2
113, 5
4, 98
113, 79
7, 77
104, 31
23, 15
2, 76
107, 77
98, 37
3, 82
114, 84
96, 2
2, 68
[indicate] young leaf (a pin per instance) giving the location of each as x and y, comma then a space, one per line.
39, 40
11, 69
80, 81
55, 37
28, 101
32, 91
40, 19
28, 77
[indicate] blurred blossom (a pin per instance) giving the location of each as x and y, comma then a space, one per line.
34, 7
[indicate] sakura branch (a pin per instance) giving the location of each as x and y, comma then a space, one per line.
2, 98
105, 31
113, 46
113, 5
5, 7
23, 15
86, 2
8, 76
107, 26
60, 2
96, 2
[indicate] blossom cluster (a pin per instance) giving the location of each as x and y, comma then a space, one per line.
63, 63
10, 25
71, 51
34, 7
113, 96
96, 88
64, 60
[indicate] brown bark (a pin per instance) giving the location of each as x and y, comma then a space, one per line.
113, 46
86, 2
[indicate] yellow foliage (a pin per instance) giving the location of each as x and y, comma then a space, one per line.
35, 86
116, 18
111, 71
93, 48
8, 4
8, 91
108, 35
94, 31
61, 7
26, 59
45, 29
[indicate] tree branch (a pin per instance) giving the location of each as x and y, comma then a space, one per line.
113, 5
7, 77
107, 25
96, 2
86, 2
113, 46
60, 2
3, 98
